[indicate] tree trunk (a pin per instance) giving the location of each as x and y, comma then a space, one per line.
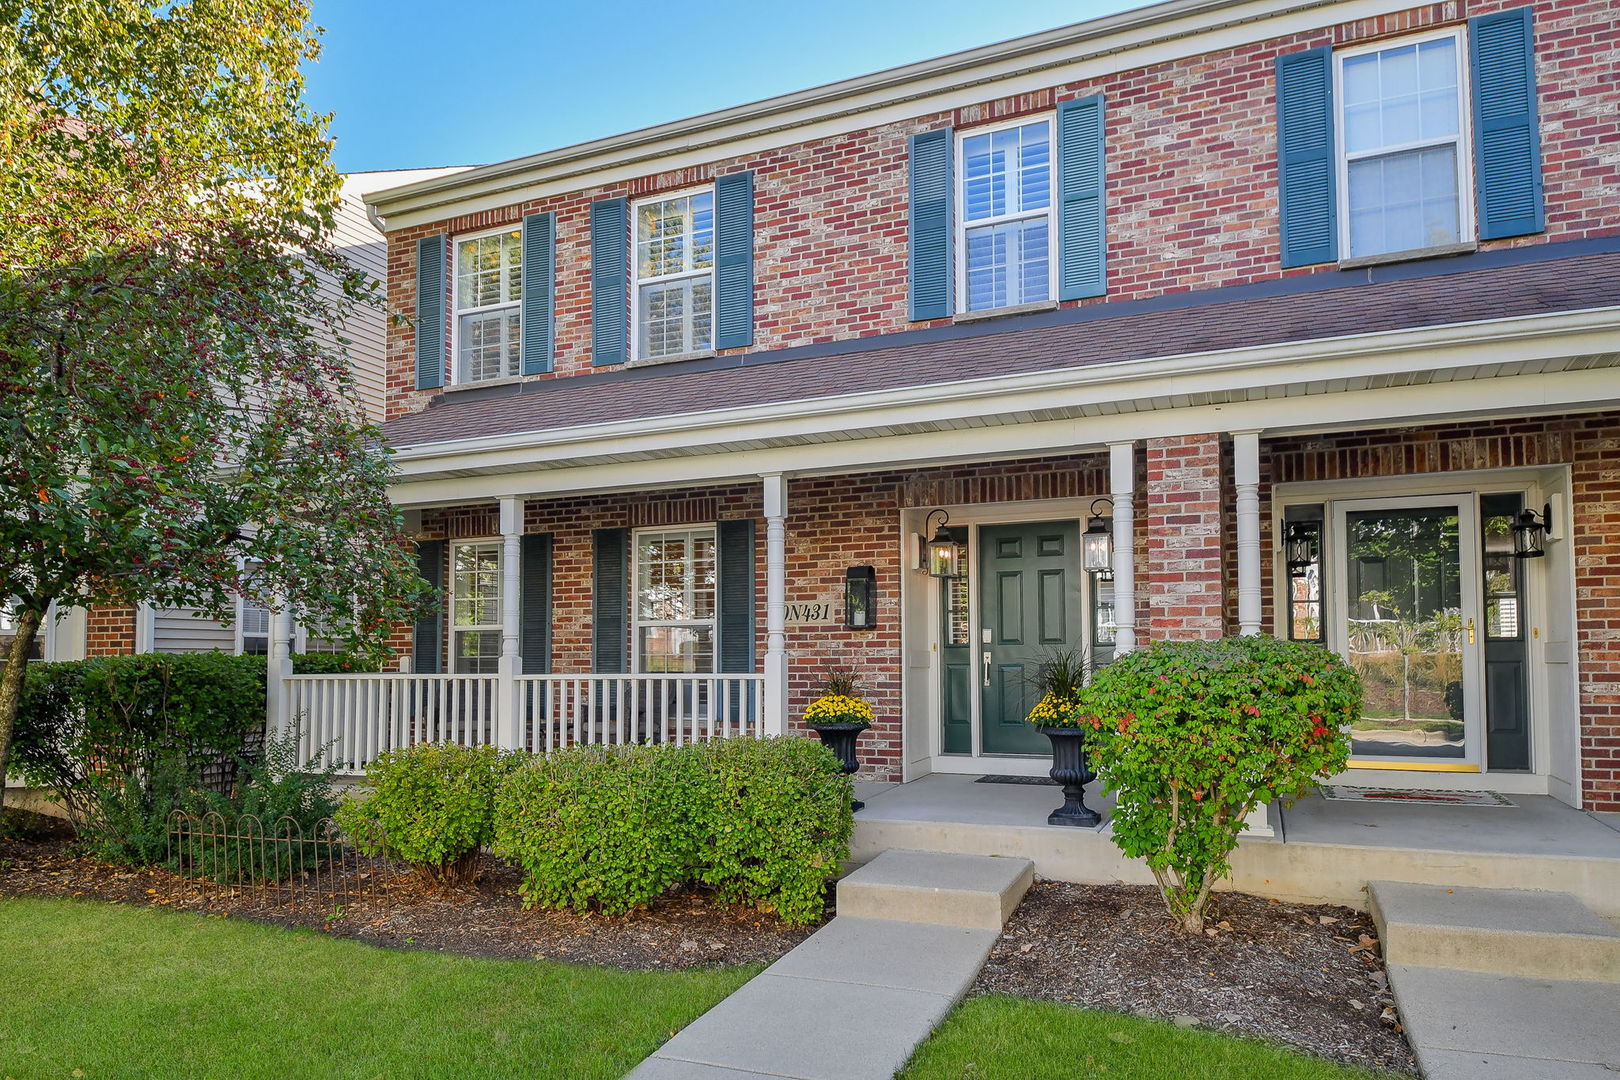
11, 684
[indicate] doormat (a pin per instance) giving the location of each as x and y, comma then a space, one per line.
1047, 781
1341, 793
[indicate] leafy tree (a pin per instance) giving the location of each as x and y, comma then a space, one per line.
175, 393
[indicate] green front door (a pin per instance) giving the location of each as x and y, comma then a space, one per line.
1030, 600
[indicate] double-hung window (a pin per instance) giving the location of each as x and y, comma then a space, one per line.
675, 275
475, 607
1403, 157
675, 600
489, 314
252, 620
1004, 216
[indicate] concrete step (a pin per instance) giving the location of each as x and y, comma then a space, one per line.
1516, 932
975, 891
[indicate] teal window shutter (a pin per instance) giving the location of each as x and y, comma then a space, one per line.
430, 312
930, 232
1305, 162
534, 603
734, 543
610, 307
539, 288
1082, 230
734, 261
610, 600
427, 639
1507, 138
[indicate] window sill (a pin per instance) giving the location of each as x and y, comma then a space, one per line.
674, 358
1445, 250
1001, 312
482, 384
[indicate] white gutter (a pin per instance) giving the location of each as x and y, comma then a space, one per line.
1358, 355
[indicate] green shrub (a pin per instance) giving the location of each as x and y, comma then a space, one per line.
332, 663
598, 828
430, 805
775, 821
764, 822
120, 741
1192, 736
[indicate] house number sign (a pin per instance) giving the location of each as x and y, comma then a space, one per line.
821, 613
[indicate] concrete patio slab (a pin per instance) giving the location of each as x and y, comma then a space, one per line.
877, 1029
1549, 1023
895, 955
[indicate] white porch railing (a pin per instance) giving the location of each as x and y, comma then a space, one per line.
357, 717
569, 710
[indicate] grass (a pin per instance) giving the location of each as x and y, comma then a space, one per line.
1011, 1038
102, 991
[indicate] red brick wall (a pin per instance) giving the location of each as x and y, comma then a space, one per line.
1191, 188
109, 632
1183, 513
1591, 445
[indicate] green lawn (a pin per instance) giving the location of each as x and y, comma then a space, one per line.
100, 991
1010, 1038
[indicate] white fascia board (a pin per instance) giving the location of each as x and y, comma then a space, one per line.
1557, 393
1322, 361
1098, 48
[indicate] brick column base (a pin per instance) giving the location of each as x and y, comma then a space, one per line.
1182, 518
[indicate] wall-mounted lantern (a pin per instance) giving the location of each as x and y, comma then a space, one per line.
1530, 533
1302, 546
941, 554
860, 598
1097, 542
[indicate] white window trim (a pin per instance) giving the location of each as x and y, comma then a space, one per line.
637, 622
636, 281
451, 629
959, 224
453, 360
1463, 140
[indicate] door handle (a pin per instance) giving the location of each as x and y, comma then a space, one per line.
1470, 631
986, 667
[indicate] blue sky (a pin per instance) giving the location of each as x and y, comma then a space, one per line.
415, 84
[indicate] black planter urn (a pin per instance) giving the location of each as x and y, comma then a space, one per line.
1071, 768
840, 739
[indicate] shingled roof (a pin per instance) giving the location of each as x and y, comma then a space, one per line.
1502, 285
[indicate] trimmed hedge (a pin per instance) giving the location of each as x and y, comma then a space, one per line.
430, 805
763, 821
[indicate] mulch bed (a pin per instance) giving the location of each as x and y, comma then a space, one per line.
682, 931
1307, 976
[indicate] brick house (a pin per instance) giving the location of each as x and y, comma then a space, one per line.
1311, 311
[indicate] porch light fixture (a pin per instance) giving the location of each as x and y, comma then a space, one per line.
860, 598
1097, 542
1530, 533
942, 555
1302, 547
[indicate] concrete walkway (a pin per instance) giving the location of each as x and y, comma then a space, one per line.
1502, 984
857, 997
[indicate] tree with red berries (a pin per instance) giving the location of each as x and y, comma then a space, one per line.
176, 400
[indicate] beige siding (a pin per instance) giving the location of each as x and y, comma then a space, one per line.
179, 630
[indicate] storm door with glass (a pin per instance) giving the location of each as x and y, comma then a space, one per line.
1407, 617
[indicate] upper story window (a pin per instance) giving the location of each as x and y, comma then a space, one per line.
475, 607
674, 297
1004, 218
1403, 157
675, 600
489, 315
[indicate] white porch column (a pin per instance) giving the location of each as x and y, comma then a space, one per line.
278, 666
776, 668
1246, 476
507, 707
1122, 487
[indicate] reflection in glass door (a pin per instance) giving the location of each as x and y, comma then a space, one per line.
1408, 597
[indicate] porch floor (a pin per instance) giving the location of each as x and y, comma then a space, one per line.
1324, 851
